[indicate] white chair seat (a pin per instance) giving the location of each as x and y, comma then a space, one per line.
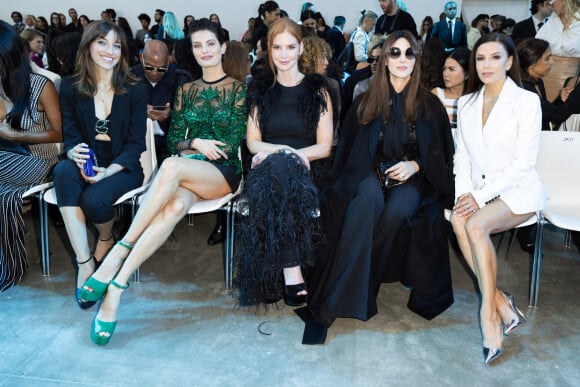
562, 216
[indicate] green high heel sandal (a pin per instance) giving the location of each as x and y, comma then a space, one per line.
93, 289
99, 327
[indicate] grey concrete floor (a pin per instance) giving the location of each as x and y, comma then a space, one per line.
180, 327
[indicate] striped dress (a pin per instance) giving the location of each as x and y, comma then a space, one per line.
17, 174
451, 108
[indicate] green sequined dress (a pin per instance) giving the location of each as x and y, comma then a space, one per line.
208, 112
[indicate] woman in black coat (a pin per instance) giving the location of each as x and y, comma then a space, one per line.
397, 232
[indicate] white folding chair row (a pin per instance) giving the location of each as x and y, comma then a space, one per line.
148, 161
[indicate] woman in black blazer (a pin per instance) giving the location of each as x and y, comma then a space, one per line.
104, 110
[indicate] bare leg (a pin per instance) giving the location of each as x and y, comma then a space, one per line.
76, 229
159, 229
193, 175
474, 241
104, 240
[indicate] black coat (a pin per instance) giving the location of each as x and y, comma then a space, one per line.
558, 111
524, 30
422, 264
335, 39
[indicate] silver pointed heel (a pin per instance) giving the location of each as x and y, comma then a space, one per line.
491, 354
518, 321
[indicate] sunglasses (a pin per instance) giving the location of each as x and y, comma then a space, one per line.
371, 59
395, 53
161, 70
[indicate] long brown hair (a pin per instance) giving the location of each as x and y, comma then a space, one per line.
85, 66
377, 101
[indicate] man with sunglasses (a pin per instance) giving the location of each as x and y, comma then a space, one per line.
450, 31
162, 80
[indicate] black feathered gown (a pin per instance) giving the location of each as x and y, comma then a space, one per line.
280, 228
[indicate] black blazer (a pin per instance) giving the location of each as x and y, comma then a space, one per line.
335, 39
523, 30
127, 122
441, 31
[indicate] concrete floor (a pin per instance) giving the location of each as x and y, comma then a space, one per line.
180, 327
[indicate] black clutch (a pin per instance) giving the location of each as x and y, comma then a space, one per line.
387, 183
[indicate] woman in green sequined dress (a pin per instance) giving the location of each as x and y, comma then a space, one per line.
208, 124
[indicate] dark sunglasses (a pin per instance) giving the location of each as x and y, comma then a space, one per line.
161, 70
395, 52
371, 59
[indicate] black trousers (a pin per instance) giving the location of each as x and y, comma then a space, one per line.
96, 200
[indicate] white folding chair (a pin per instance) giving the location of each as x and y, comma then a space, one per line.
562, 186
148, 161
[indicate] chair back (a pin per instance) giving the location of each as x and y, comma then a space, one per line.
559, 167
149, 157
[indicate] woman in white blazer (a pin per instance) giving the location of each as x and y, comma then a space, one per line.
496, 183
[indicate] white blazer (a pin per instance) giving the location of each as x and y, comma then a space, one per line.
499, 159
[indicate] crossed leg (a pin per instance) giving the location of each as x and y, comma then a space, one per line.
473, 235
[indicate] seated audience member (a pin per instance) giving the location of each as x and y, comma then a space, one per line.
507, 26
383, 216
84, 20
496, 22
162, 80
268, 12
65, 49
30, 22
432, 61
496, 183
394, 19
131, 43
425, 30
158, 16
376, 49
103, 110
75, 24
528, 28
314, 60
455, 76
562, 31
335, 37
145, 21
207, 126
186, 22
34, 45
214, 18
450, 31
289, 132
479, 27
30, 124
360, 37
247, 35
536, 61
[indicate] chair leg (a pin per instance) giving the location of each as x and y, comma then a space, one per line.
537, 264
134, 202
45, 247
510, 245
568, 239
229, 246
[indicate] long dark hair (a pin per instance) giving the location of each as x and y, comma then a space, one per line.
377, 101
268, 6
462, 55
474, 83
85, 66
530, 51
14, 73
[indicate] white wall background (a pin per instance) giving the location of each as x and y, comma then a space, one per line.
234, 14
